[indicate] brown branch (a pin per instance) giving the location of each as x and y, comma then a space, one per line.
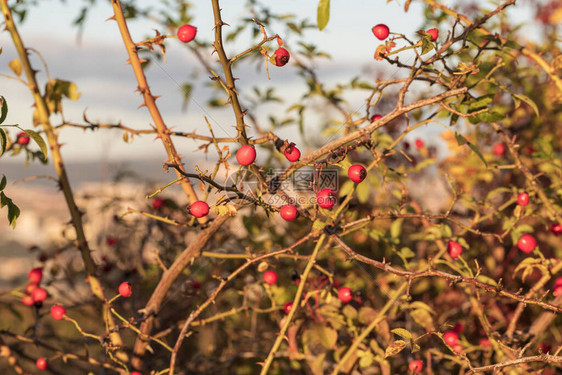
149, 99
166, 282
545, 358
63, 180
386, 267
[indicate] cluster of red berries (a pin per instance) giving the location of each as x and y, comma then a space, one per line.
34, 294
452, 339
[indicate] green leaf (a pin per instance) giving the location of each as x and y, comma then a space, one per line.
527, 100
427, 45
13, 210
3, 141
396, 228
40, 142
487, 280
489, 116
461, 140
480, 103
3, 182
423, 318
323, 14
363, 191
4, 112
405, 334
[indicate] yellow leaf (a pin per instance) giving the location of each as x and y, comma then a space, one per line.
15, 66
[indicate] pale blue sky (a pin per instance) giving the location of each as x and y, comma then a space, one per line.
107, 85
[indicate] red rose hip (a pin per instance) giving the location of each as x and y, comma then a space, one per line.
451, 337
288, 307
292, 153
326, 198
39, 295
270, 277
454, 249
281, 56
381, 31
556, 229
523, 199
35, 275
419, 143
288, 212
22, 138
58, 312
126, 289
199, 209
498, 149
157, 203
416, 366
527, 243
357, 173
434, 34
375, 117
41, 363
186, 33
345, 294
246, 155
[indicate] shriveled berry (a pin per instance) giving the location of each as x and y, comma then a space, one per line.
523, 199
381, 31
454, 249
270, 277
281, 56
527, 243
434, 34
58, 312
186, 33
246, 155
345, 294
292, 153
288, 212
326, 198
357, 173
199, 209
125, 289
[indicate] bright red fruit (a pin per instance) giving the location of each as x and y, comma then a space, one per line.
454, 249
558, 281
58, 312
381, 31
375, 117
556, 229
557, 291
199, 209
416, 366
270, 277
29, 287
22, 138
292, 153
326, 198
527, 243
457, 348
126, 289
434, 34
246, 155
288, 212
451, 337
135, 373
157, 203
498, 149
281, 56
41, 363
27, 300
39, 295
35, 275
186, 33
357, 173
523, 199
288, 307
419, 143
345, 294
